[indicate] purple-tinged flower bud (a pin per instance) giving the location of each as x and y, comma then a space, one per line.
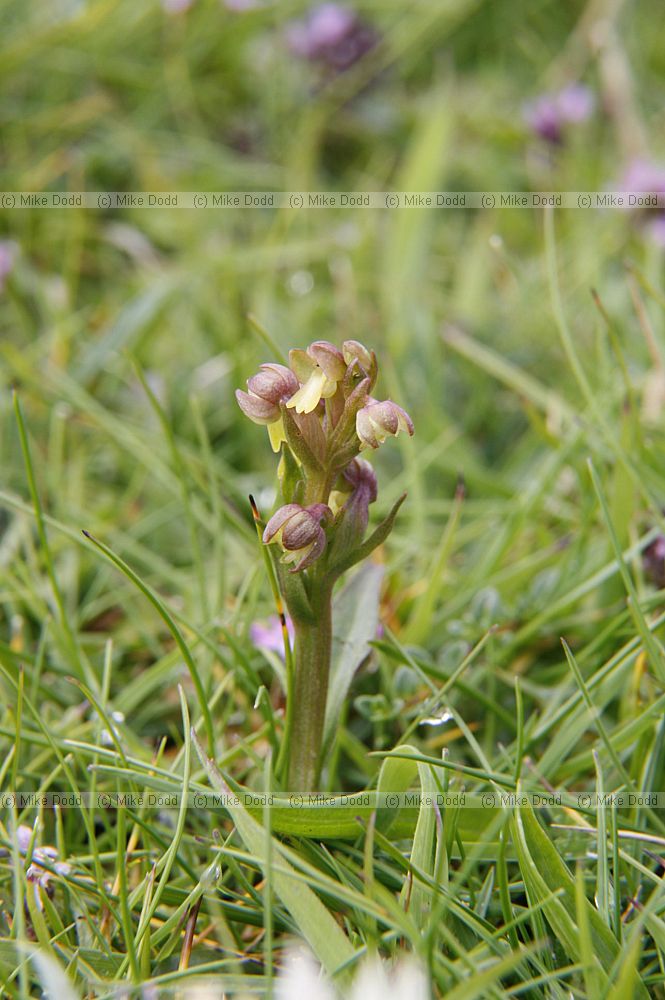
299, 532
354, 515
362, 477
273, 382
329, 358
380, 418
261, 411
353, 350
271, 385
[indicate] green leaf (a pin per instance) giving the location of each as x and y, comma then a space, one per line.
323, 934
595, 981
290, 476
544, 873
487, 980
169, 621
422, 854
623, 985
356, 618
395, 777
377, 537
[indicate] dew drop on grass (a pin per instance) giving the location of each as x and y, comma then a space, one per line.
437, 720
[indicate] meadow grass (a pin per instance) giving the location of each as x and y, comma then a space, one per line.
521, 650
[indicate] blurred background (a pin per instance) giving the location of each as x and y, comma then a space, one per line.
459, 95
523, 343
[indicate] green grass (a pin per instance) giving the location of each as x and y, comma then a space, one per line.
518, 606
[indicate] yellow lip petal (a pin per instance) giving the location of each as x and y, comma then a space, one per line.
329, 388
336, 501
308, 395
380, 433
276, 434
295, 555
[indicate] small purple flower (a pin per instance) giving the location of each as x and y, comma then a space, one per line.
8, 252
23, 838
575, 103
269, 635
646, 177
549, 114
36, 873
176, 6
653, 561
642, 176
332, 35
656, 230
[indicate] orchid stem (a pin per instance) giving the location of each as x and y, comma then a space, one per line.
313, 646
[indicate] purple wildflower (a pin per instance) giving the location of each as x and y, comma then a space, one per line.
8, 251
269, 635
549, 114
653, 561
176, 6
646, 177
656, 229
23, 838
333, 36
37, 874
575, 103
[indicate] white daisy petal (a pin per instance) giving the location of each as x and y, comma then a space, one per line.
302, 979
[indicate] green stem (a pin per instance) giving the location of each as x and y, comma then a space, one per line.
317, 489
313, 645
